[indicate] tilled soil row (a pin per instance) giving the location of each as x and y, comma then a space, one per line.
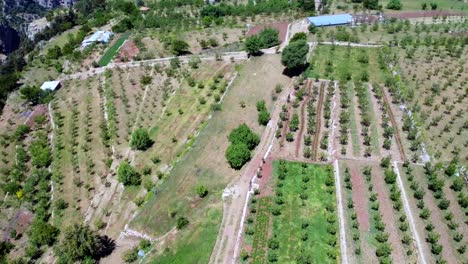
318, 123
387, 104
302, 124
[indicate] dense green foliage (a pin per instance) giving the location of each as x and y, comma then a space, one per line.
79, 243
395, 5
295, 54
243, 134
128, 175
140, 139
267, 38
263, 114
243, 140
237, 155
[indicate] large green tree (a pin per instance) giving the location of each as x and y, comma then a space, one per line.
371, 4
79, 242
244, 135
32, 94
42, 233
269, 37
237, 155
128, 175
295, 54
253, 44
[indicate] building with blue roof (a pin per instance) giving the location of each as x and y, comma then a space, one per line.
331, 20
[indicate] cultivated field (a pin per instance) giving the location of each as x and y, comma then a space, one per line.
205, 164
296, 220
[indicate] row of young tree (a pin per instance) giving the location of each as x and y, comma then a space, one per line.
383, 249
355, 233
395, 196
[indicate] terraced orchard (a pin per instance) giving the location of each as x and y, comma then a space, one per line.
295, 221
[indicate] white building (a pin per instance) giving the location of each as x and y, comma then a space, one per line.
51, 85
98, 36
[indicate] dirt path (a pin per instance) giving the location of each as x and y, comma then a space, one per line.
236, 195
335, 120
387, 104
388, 217
409, 215
339, 203
360, 199
318, 123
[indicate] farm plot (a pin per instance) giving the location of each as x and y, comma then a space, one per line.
83, 156
346, 63
133, 95
440, 209
303, 225
305, 121
378, 228
112, 50
205, 164
185, 114
438, 79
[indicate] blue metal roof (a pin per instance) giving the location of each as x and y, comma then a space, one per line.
331, 20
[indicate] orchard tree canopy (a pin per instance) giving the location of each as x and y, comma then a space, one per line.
295, 54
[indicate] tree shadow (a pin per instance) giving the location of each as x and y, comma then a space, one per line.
295, 71
106, 246
256, 54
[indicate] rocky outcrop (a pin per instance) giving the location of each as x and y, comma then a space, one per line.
55, 3
36, 26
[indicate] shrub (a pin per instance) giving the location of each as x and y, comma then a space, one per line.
130, 255
128, 175
182, 222
140, 139
202, 191
390, 176
394, 4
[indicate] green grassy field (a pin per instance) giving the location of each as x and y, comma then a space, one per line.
345, 63
352, 121
302, 228
110, 53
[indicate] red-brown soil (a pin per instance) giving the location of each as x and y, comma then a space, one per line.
282, 28
38, 110
128, 51
303, 121
318, 123
360, 197
417, 14
388, 216
448, 252
387, 104
264, 182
